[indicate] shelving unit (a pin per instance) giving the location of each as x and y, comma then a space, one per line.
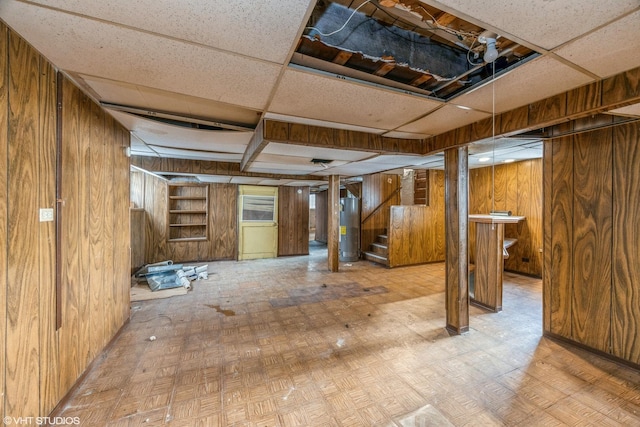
188, 212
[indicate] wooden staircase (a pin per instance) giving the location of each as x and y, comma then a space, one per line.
378, 251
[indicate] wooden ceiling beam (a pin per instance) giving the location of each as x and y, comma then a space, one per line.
255, 146
342, 57
445, 19
421, 79
316, 136
384, 69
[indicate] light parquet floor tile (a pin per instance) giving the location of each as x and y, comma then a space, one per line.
284, 342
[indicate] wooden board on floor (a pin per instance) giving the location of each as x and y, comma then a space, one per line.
142, 292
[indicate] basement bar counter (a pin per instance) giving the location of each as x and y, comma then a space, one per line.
491, 250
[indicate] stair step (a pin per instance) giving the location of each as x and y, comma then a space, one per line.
376, 258
379, 248
382, 238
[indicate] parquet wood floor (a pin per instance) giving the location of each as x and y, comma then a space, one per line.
227, 355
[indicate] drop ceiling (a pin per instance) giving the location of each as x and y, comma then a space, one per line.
192, 80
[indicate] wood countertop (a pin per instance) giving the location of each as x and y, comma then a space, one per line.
496, 219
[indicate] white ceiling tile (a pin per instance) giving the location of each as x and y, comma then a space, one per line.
142, 150
489, 145
317, 96
196, 155
609, 50
285, 166
544, 23
265, 29
308, 183
406, 135
293, 161
537, 79
246, 180
444, 119
159, 100
164, 135
630, 110
321, 123
432, 162
122, 54
221, 179
274, 182
391, 161
354, 169
310, 152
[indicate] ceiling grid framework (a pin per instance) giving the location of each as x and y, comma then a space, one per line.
193, 79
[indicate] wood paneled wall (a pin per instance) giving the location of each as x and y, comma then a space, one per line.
137, 188
321, 216
138, 230
95, 232
416, 234
518, 188
593, 199
4, 205
223, 224
377, 189
39, 364
293, 221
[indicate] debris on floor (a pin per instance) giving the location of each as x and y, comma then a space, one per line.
142, 292
166, 275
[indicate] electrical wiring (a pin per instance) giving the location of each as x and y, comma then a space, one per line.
434, 27
469, 52
343, 26
447, 29
431, 27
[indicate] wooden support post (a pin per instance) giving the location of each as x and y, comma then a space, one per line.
456, 229
333, 218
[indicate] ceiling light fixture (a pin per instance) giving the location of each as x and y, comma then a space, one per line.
484, 159
509, 160
491, 52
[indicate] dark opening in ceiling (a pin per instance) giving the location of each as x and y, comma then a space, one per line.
403, 44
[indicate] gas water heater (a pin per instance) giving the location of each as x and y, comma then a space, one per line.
349, 229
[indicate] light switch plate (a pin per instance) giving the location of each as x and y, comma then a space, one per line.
46, 214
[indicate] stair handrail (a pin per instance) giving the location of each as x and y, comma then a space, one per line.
397, 190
